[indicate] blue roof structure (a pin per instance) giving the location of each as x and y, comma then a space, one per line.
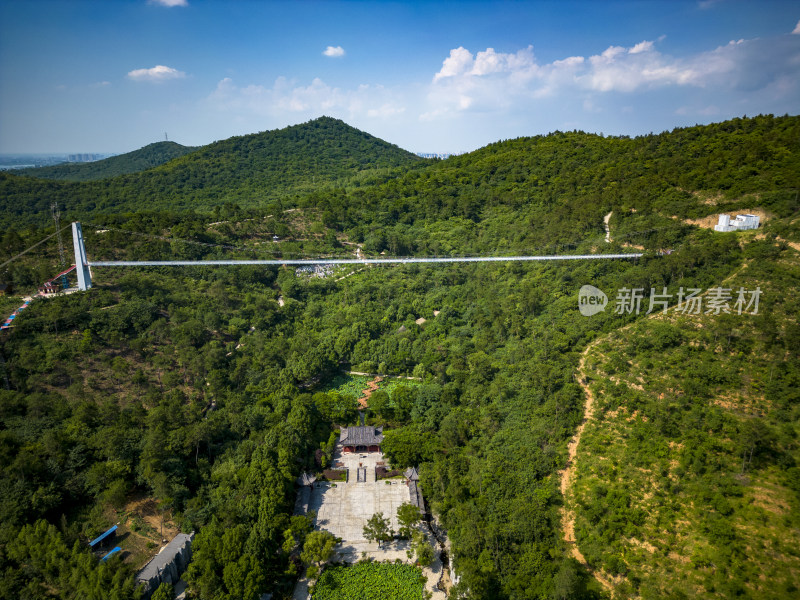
117, 549
103, 536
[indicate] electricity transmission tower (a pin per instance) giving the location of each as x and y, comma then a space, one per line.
62, 261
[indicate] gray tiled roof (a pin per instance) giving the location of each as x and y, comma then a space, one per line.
361, 436
306, 479
167, 565
412, 474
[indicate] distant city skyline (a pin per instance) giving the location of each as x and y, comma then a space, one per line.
432, 77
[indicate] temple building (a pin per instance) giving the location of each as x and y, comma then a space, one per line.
361, 439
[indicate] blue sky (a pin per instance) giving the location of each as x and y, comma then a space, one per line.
112, 76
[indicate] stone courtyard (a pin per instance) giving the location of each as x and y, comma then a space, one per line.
344, 508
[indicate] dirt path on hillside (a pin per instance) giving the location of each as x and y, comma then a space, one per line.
567, 514
372, 387
567, 475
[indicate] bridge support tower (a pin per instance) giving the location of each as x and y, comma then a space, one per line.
81, 264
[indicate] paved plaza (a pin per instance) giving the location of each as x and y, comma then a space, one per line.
344, 508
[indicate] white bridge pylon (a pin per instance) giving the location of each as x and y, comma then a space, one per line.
81, 264
85, 281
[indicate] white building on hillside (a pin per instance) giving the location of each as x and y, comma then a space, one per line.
740, 223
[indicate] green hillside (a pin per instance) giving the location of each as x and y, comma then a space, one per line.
550, 193
247, 170
142, 159
687, 477
684, 483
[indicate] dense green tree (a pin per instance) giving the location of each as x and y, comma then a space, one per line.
164, 591
408, 516
378, 529
319, 547
421, 549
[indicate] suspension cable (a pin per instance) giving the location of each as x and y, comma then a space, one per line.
39, 243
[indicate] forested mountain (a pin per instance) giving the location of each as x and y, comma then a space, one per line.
688, 483
246, 170
195, 389
142, 159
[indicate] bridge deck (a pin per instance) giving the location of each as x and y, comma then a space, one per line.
353, 261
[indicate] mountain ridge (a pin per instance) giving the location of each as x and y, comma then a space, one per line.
146, 157
248, 169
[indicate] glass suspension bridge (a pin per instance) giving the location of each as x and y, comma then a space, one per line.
82, 265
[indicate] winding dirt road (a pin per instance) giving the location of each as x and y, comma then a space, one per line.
567, 475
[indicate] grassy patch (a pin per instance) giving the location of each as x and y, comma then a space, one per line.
347, 385
354, 385
370, 581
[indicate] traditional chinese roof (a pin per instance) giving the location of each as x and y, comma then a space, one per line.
361, 436
306, 479
412, 474
415, 495
168, 564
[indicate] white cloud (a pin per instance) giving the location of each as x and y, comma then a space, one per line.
169, 3
156, 74
286, 97
491, 81
796, 30
100, 84
333, 51
461, 62
641, 47
628, 69
482, 82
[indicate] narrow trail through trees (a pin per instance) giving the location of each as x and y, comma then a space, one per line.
567, 513
567, 475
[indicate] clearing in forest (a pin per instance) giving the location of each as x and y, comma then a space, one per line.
370, 580
343, 509
361, 387
139, 529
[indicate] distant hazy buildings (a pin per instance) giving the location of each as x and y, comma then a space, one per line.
32, 161
29, 161
740, 223
441, 155
85, 157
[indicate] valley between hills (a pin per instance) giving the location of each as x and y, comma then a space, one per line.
631, 453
